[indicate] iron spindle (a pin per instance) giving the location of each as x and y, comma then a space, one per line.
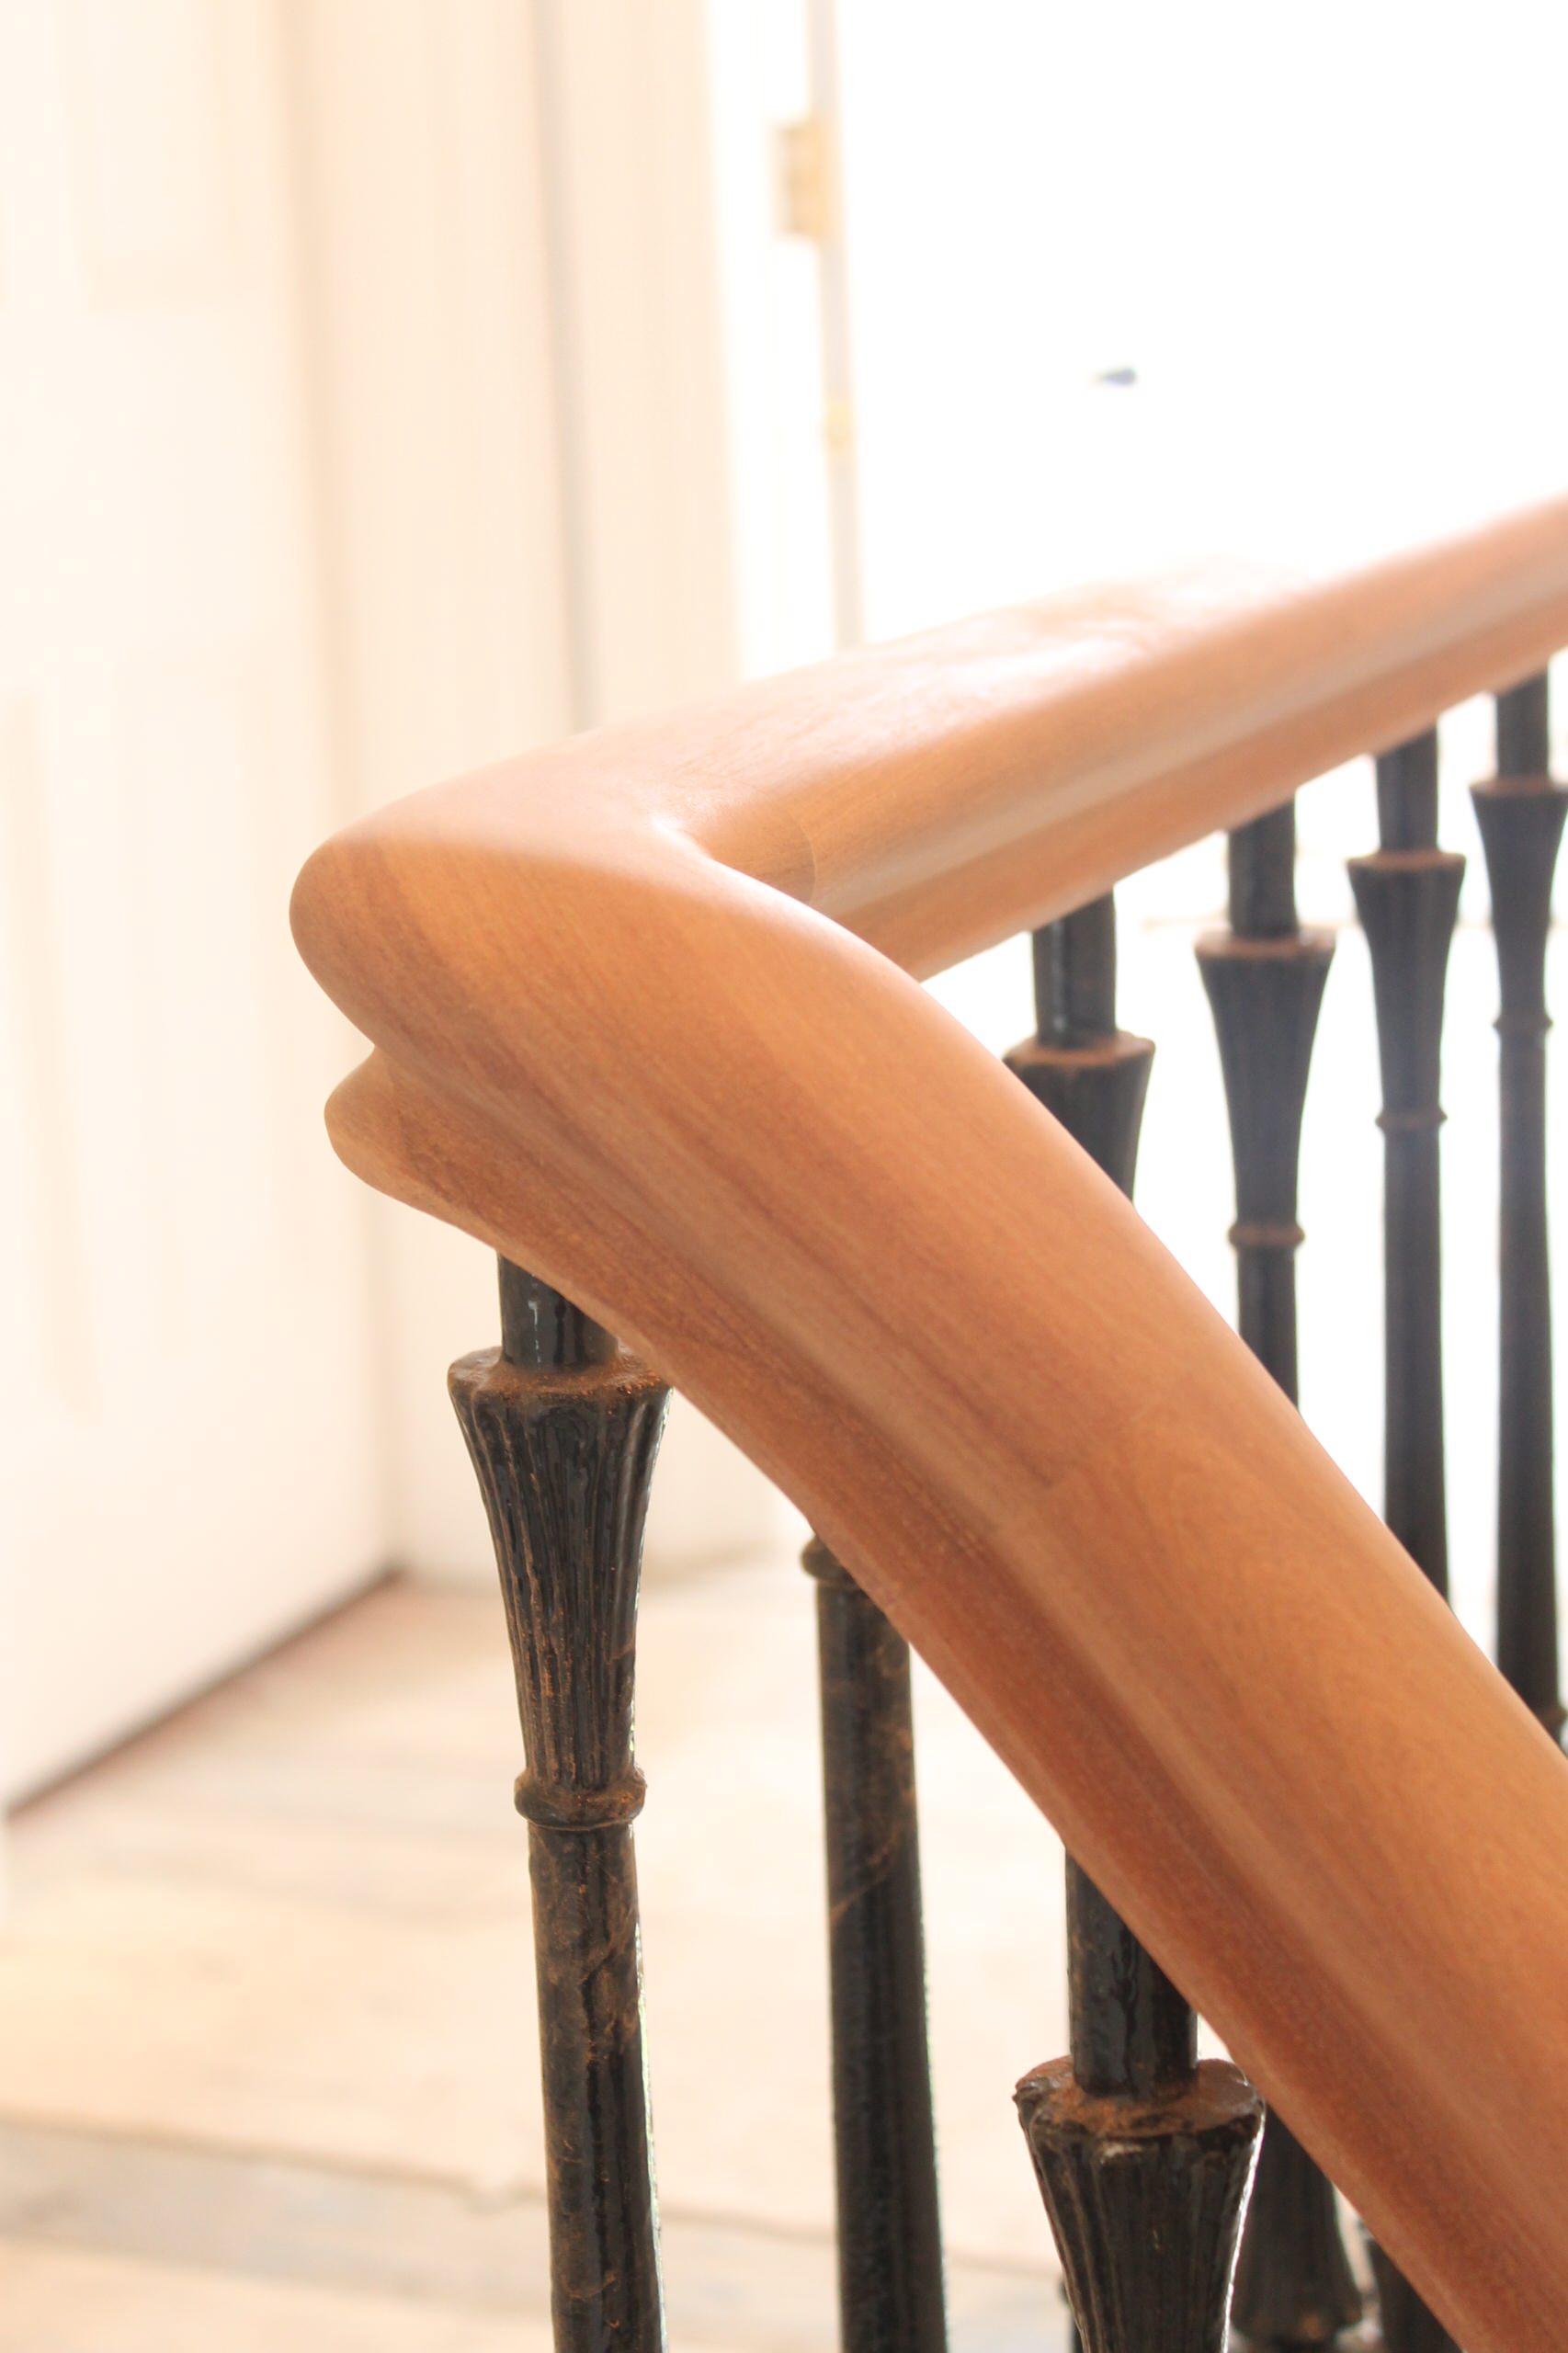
1520, 812
889, 2244
1524, 729
1407, 894
1142, 2155
1265, 980
563, 1428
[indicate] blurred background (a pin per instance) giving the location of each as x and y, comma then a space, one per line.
387, 386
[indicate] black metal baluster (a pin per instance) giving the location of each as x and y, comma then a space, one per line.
1520, 812
889, 2241
1265, 979
1143, 2156
563, 1428
1407, 896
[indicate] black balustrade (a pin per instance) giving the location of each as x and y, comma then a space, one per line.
1265, 980
1520, 812
1143, 2156
562, 1428
1407, 894
890, 2248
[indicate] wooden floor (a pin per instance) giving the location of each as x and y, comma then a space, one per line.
267, 2069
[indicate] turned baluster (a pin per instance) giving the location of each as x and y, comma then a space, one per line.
562, 1428
1143, 2156
890, 2242
1265, 980
1407, 894
1520, 812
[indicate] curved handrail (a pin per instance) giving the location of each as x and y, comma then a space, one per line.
627, 1034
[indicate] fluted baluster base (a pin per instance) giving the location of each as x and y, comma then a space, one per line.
1145, 2199
1097, 1090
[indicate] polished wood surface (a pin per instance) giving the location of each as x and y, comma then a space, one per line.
627, 1034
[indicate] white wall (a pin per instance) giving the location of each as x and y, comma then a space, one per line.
186, 1427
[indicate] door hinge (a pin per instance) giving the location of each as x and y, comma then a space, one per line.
806, 192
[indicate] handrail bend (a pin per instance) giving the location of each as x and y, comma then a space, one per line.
644, 1021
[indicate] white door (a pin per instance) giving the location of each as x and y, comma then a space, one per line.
185, 1465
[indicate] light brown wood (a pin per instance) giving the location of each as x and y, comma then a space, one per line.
627, 1034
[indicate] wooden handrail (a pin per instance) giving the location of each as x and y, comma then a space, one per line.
625, 1034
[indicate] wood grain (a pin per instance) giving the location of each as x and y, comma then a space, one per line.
627, 1034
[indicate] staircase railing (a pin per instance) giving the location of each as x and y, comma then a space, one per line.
644, 1022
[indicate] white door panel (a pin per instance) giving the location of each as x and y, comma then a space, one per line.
185, 1466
